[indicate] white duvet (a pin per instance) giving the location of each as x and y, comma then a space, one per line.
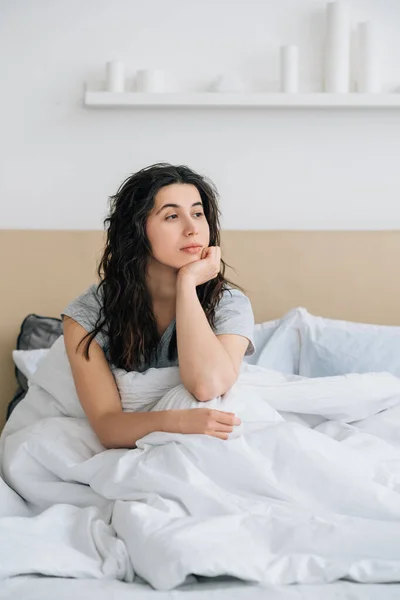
306, 490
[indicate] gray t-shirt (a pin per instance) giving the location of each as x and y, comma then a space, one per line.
233, 314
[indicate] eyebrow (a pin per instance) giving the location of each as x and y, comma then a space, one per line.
177, 206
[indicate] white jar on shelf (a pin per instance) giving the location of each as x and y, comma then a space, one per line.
337, 49
115, 76
367, 77
289, 69
151, 80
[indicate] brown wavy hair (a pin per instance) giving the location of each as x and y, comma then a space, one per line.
126, 314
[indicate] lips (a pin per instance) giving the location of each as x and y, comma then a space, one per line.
191, 246
192, 249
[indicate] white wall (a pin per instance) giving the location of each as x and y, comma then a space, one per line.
278, 169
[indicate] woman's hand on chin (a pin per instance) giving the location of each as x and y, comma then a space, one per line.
205, 268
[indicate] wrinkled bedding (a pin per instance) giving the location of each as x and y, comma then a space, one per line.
306, 490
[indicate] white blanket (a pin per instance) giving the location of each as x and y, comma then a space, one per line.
306, 490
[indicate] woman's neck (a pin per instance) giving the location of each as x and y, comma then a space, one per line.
161, 283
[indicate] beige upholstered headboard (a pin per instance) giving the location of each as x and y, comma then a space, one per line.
342, 275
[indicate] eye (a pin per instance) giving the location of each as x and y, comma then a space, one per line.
172, 217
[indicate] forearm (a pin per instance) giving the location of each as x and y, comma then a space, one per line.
206, 368
123, 429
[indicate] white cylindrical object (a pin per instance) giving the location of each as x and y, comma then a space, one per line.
289, 69
115, 76
337, 49
368, 80
150, 80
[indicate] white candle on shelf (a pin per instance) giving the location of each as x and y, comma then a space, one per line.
151, 80
337, 49
368, 80
115, 76
289, 69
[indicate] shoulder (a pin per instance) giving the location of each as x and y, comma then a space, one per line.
86, 309
234, 314
90, 301
234, 299
91, 296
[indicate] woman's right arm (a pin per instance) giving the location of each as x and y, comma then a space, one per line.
99, 396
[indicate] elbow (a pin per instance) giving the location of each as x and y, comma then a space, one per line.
204, 394
107, 444
114, 445
207, 390
105, 441
102, 430
200, 390
101, 434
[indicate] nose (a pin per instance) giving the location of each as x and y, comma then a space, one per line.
191, 228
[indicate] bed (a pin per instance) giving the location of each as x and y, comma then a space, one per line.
340, 275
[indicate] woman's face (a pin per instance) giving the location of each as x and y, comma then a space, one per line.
171, 228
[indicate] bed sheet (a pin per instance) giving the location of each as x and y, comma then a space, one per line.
305, 491
49, 588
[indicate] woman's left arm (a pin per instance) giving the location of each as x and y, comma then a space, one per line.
209, 364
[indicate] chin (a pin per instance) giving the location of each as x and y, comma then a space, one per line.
176, 263
189, 258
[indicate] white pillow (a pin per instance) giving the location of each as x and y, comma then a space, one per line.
333, 347
262, 335
278, 344
27, 360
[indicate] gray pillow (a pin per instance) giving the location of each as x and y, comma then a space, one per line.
36, 332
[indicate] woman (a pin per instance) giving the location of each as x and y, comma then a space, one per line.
161, 301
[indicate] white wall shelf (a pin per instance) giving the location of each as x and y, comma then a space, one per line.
250, 99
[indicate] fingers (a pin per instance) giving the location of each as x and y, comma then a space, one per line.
213, 255
218, 258
216, 251
220, 423
220, 428
221, 436
226, 418
211, 251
